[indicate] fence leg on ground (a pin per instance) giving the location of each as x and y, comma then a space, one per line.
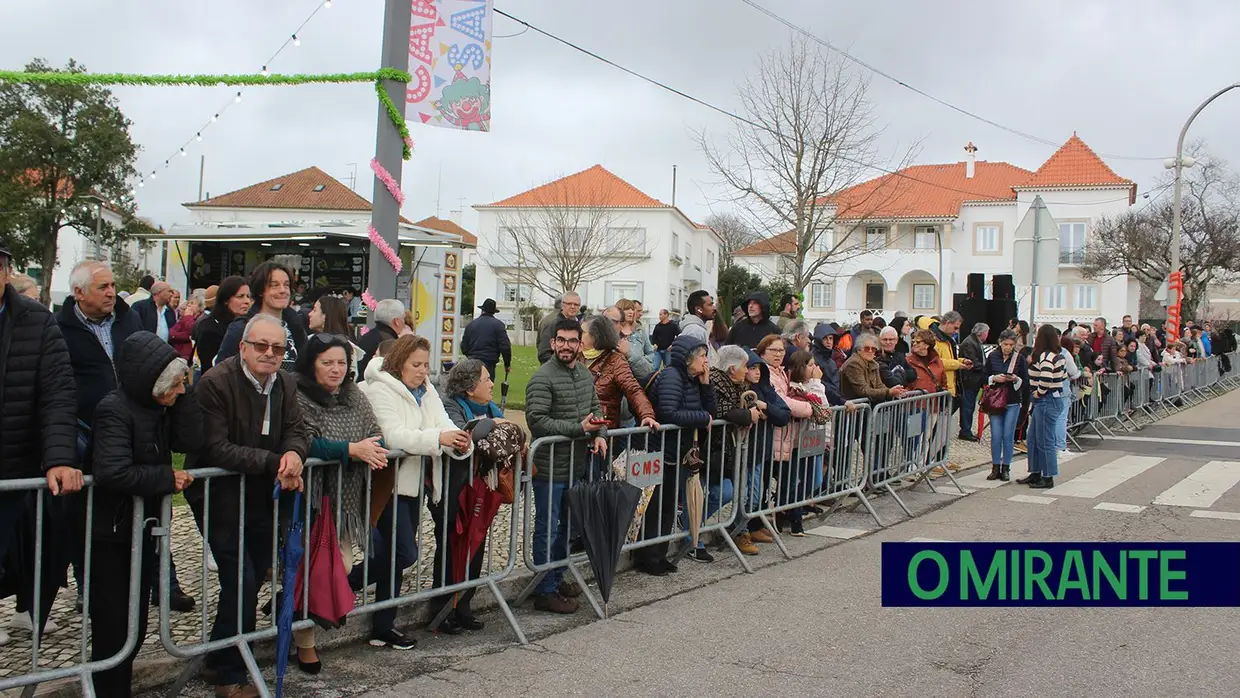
251, 666
585, 590
529, 588
508, 615
740, 557
187, 674
891, 490
766, 521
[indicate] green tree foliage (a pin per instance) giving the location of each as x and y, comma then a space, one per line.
468, 277
64, 150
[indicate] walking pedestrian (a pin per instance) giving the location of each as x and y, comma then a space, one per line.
1048, 380
486, 339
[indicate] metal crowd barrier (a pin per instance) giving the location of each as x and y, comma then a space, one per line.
636, 455
31, 585
499, 560
909, 438
825, 467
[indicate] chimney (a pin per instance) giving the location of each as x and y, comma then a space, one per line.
455, 216
971, 160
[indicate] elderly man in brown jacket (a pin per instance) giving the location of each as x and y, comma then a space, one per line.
252, 425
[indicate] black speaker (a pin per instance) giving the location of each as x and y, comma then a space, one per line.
1004, 289
972, 311
998, 315
976, 286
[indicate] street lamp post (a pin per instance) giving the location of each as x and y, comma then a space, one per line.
1179, 164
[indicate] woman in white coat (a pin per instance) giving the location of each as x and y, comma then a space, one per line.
413, 420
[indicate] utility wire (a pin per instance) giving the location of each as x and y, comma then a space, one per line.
877, 71
776, 134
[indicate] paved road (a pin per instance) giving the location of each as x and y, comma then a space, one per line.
815, 625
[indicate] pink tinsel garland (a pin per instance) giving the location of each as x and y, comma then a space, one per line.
388, 181
369, 300
384, 248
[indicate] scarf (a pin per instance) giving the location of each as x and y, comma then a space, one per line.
342, 416
591, 354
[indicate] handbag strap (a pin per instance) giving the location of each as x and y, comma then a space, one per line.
1012, 363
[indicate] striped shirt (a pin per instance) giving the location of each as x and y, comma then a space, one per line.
1048, 373
102, 329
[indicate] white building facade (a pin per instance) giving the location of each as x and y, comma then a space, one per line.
669, 257
944, 222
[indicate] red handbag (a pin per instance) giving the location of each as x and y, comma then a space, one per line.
330, 598
995, 397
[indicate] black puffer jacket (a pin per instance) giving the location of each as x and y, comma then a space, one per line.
682, 400
92, 369
134, 436
38, 429
745, 332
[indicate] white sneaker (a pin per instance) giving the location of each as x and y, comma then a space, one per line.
23, 621
1065, 452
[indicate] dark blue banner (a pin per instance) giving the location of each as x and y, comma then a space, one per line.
1061, 574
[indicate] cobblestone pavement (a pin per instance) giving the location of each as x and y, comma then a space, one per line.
63, 648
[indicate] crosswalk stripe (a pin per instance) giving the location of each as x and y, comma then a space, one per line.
928, 540
1125, 508
1204, 487
1097, 481
1030, 499
836, 532
979, 481
1224, 515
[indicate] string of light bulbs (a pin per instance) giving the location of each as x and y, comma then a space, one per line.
293, 39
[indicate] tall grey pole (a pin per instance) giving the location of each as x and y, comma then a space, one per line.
385, 213
1179, 182
1037, 240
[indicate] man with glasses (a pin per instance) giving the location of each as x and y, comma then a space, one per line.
570, 305
252, 424
560, 401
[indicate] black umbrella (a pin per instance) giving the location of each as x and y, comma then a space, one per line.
603, 510
503, 390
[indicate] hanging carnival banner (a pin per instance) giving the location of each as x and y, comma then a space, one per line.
450, 63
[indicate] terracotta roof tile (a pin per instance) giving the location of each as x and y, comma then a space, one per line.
595, 187
784, 243
1075, 164
295, 190
928, 191
449, 227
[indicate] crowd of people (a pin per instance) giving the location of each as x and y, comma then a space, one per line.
255, 376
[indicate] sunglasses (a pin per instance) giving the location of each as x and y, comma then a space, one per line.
263, 348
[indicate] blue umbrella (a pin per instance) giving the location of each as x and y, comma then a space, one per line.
290, 558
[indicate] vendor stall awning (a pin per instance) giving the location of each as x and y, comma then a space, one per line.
410, 235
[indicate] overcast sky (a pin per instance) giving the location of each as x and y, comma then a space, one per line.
1123, 75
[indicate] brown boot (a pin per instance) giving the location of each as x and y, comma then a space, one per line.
554, 603
762, 536
236, 691
994, 473
744, 543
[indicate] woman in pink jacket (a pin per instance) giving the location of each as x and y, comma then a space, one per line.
772, 351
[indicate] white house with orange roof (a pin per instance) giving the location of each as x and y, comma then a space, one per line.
906, 231
656, 254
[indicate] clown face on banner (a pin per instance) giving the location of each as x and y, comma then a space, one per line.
450, 61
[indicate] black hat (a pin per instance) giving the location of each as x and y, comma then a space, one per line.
488, 306
4, 251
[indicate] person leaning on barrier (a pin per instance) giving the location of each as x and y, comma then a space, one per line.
467, 396
930, 376
413, 420
613, 377
38, 433
893, 366
728, 377
252, 425
860, 377
342, 429
784, 466
138, 426
684, 397
560, 401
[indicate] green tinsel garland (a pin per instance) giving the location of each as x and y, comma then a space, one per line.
378, 76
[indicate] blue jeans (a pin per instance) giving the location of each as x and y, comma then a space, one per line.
1003, 434
408, 514
548, 510
1061, 428
1043, 420
968, 405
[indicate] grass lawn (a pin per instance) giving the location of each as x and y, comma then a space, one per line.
178, 463
524, 363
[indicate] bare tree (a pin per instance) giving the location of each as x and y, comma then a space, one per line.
570, 234
736, 233
808, 134
1138, 243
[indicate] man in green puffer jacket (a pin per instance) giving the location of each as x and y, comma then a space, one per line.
560, 401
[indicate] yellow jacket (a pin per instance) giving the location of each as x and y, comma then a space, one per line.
946, 349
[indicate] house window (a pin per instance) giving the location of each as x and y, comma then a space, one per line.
925, 237
710, 260
1086, 297
276, 187
825, 242
510, 291
987, 239
618, 291
688, 253
675, 245
629, 240
1056, 297
1071, 243
875, 238
923, 296
820, 295
320, 187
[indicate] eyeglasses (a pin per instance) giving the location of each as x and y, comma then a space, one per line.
263, 347
868, 348
569, 342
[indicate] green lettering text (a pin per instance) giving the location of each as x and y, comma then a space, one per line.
1037, 577
1143, 576
1166, 575
970, 576
1102, 568
944, 575
1073, 576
